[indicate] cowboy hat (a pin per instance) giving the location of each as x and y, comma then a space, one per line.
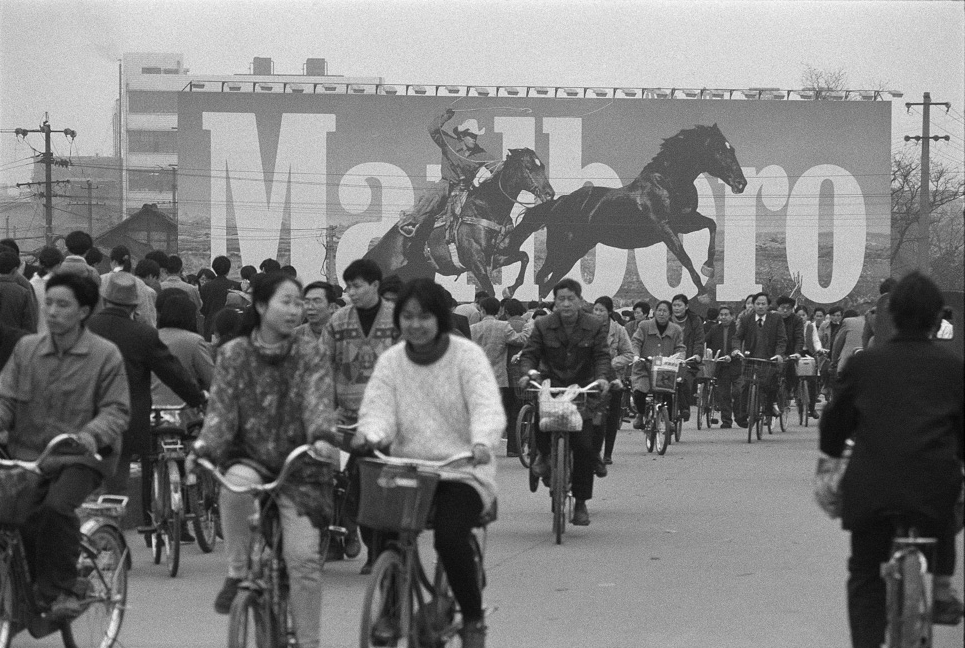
470, 126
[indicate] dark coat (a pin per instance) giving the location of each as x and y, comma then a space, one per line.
143, 353
214, 295
460, 325
693, 328
578, 359
775, 335
9, 337
715, 339
17, 304
902, 404
794, 333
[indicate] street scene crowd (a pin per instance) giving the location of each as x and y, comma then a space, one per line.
402, 368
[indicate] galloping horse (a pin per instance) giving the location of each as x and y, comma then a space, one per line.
482, 239
658, 206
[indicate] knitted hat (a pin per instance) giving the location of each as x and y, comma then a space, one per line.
121, 289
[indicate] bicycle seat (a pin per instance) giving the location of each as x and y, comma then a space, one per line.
908, 525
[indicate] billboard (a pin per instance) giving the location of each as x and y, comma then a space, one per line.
650, 197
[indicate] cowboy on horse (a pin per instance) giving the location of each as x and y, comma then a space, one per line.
463, 165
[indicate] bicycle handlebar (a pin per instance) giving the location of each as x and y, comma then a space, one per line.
262, 488
34, 466
589, 389
424, 463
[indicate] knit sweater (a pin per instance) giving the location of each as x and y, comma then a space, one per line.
435, 411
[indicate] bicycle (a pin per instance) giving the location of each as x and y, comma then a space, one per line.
758, 373
259, 614
525, 429
561, 460
661, 422
333, 538
175, 502
783, 401
907, 601
806, 369
103, 563
707, 397
402, 607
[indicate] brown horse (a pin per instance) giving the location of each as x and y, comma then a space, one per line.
658, 206
483, 235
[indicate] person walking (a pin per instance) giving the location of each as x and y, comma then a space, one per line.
570, 347
621, 357
906, 458
272, 392
214, 293
145, 310
16, 302
178, 329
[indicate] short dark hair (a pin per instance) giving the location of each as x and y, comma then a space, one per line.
682, 298
175, 264
263, 288
289, 270
532, 304
784, 299
515, 308
226, 323
84, 289
851, 313
391, 284
247, 272
835, 309
159, 257
568, 284
93, 256
663, 302
429, 295
887, 285
539, 312
802, 307
50, 257
712, 313
724, 307
222, 265
9, 261
819, 308
120, 254
915, 303
642, 305
606, 301
206, 273
147, 268
365, 269
10, 243
270, 265
178, 311
490, 305
480, 295
78, 242
762, 294
321, 285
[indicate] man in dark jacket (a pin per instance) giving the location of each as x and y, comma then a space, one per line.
761, 334
17, 303
570, 346
878, 327
214, 293
143, 353
693, 328
721, 340
794, 331
9, 336
901, 402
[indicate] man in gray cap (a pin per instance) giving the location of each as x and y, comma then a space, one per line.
143, 352
462, 159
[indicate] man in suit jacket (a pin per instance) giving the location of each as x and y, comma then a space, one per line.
570, 346
721, 340
761, 334
143, 353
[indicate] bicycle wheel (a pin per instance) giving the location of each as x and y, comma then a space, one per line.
701, 406
524, 432
103, 562
559, 481
662, 431
382, 606
8, 601
753, 412
248, 625
202, 506
159, 491
711, 404
479, 561
784, 406
173, 519
804, 394
650, 433
678, 427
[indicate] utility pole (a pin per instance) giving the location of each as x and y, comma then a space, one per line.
331, 241
90, 205
924, 207
47, 159
174, 203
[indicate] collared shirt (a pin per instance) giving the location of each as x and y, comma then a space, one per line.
493, 335
44, 393
192, 291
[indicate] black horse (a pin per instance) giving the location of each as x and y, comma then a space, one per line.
658, 206
483, 237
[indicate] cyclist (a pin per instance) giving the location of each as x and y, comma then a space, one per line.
65, 380
721, 341
570, 346
901, 402
430, 398
794, 331
760, 334
272, 392
812, 348
693, 330
641, 311
621, 357
654, 337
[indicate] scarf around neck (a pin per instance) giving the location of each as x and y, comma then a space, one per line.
429, 355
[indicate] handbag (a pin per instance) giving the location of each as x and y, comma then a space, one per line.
827, 480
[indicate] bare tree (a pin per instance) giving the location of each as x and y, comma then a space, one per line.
823, 81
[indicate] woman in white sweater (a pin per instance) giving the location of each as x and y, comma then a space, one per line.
432, 397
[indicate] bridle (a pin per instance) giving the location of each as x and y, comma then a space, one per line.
533, 189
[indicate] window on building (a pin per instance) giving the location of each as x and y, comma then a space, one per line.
140, 101
152, 142
150, 70
155, 181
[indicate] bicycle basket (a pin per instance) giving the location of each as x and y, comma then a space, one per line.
806, 367
18, 488
559, 415
663, 374
707, 368
395, 498
758, 371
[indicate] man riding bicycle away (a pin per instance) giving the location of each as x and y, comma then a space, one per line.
901, 403
66, 380
569, 346
760, 334
462, 159
432, 397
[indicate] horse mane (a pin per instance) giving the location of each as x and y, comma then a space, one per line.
681, 146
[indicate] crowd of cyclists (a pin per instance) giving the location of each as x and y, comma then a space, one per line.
278, 364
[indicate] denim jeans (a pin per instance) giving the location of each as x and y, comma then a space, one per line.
300, 551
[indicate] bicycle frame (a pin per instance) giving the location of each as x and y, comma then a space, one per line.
907, 591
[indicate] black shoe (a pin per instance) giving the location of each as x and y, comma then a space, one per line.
638, 422
367, 567
353, 547
725, 426
66, 606
512, 455
222, 602
608, 460
581, 517
334, 551
742, 422
685, 414
541, 467
384, 632
946, 611
599, 467
186, 536
473, 634
813, 414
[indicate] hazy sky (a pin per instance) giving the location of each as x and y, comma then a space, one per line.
61, 57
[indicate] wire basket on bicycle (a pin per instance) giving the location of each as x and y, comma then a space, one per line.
664, 372
759, 371
395, 498
563, 412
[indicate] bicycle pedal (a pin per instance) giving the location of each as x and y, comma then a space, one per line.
146, 530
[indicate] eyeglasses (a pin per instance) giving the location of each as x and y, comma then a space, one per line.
318, 302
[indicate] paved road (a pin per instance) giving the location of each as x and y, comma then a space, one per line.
717, 543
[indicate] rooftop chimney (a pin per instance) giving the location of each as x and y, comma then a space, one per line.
262, 66
316, 67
